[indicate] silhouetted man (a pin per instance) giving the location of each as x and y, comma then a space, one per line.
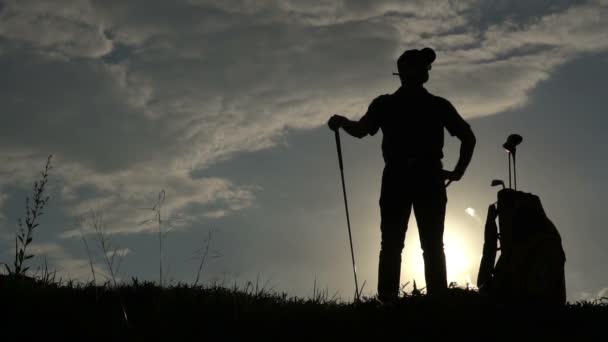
412, 122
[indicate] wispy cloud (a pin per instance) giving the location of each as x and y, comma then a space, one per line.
60, 262
3, 197
587, 295
126, 200
63, 28
118, 252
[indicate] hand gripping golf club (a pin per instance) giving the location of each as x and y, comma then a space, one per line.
350, 238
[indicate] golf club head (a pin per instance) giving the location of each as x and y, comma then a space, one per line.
512, 141
496, 182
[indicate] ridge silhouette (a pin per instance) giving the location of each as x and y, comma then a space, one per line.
412, 121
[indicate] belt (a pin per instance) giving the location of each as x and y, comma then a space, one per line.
415, 162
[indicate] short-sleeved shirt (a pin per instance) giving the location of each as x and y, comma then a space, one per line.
412, 123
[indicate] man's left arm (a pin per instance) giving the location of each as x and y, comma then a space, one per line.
467, 146
459, 128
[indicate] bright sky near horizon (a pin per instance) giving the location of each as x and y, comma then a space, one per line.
224, 104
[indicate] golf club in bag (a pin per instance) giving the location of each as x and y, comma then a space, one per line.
530, 267
350, 238
511, 147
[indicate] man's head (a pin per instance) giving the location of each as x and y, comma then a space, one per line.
414, 66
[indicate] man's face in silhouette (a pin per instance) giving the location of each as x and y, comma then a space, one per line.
415, 75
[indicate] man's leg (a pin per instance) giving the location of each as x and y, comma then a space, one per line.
429, 207
395, 208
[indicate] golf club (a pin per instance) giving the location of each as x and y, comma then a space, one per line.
350, 238
497, 182
511, 147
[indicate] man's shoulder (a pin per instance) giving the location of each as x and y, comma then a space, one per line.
440, 100
380, 103
382, 99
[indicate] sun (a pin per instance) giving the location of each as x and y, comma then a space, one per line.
460, 259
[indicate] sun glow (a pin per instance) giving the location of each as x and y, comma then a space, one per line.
460, 259
470, 211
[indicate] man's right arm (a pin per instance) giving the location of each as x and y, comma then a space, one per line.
353, 128
369, 122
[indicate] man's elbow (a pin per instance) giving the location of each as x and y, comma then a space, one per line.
360, 134
472, 139
359, 131
469, 138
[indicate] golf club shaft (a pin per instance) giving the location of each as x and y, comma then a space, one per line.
514, 172
350, 238
509, 157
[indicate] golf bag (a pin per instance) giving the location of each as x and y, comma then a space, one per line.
530, 267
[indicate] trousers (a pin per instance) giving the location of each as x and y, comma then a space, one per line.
422, 188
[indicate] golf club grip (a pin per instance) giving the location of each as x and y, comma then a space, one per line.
339, 147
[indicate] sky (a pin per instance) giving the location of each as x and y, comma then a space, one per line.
222, 106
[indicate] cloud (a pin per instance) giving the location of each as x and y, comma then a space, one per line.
591, 296
128, 198
66, 27
496, 69
47, 248
133, 96
118, 252
58, 261
584, 295
3, 198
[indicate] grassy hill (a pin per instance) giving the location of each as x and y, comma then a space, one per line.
34, 309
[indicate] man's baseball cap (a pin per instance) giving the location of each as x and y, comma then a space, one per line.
414, 59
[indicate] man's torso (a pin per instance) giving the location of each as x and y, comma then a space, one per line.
412, 123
